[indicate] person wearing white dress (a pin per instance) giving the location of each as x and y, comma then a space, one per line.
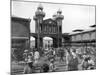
67, 55
36, 56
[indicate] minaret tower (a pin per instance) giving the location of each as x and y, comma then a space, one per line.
59, 17
39, 15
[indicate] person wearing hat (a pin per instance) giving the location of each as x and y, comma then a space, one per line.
28, 61
25, 55
73, 62
29, 65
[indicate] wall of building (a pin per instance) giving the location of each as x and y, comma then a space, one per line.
20, 32
84, 36
82, 39
19, 37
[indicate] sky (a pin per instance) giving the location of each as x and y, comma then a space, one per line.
75, 16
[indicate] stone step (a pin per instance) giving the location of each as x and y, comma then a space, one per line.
16, 72
61, 69
61, 65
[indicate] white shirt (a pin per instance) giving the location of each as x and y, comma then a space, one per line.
91, 62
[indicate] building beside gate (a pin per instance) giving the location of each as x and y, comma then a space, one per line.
20, 31
85, 38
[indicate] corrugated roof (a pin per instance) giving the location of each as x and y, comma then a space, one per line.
86, 30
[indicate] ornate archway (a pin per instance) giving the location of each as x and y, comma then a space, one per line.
47, 42
48, 27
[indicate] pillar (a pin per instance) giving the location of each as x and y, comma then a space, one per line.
55, 43
36, 42
41, 42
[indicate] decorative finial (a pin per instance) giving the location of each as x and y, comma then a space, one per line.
59, 11
59, 15
40, 6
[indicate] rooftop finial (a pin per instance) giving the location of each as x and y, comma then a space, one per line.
59, 11
40, 6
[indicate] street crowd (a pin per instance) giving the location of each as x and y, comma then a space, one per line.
41, 60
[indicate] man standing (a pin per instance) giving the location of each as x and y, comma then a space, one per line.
61, 54
73, 62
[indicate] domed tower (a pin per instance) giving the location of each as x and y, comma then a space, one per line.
59, 17
39, 15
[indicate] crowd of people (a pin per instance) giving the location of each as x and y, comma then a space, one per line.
75, 59
81, 59
32, 60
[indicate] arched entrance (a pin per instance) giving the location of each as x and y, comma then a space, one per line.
47, 42
32, 42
